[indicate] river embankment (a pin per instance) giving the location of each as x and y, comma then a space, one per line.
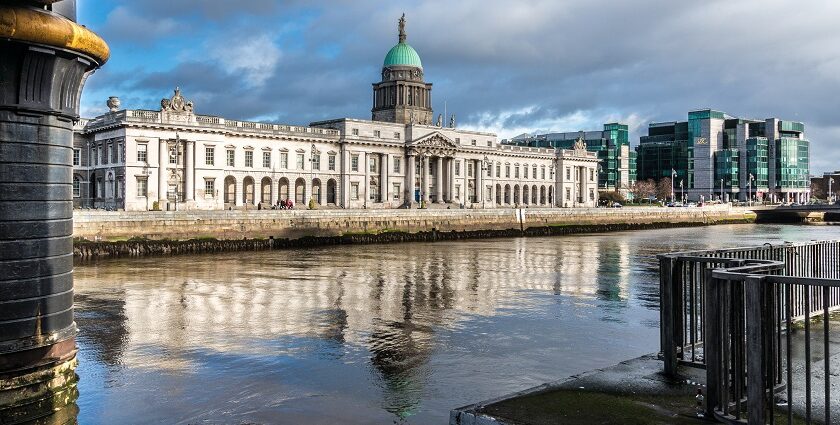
104, 234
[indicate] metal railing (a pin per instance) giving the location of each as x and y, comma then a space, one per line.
733, 313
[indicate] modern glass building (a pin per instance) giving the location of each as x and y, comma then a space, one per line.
716, 155
612, 144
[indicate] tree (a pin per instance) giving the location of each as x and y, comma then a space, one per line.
611, 197
644, 189
663, 188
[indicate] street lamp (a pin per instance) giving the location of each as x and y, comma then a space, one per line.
673, 174
830, 193
682, 192
312, 153
485, 165
721, 190
749, 188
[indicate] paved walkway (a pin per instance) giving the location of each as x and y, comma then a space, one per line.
631, 392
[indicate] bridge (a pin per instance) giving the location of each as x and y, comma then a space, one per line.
796, 214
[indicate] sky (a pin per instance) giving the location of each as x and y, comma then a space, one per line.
503, 66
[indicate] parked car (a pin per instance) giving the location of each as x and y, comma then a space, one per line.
616, 205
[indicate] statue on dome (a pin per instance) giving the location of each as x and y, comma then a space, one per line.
402, 28
452, 121
439, 122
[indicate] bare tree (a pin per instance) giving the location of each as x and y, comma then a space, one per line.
663, 188
644, 189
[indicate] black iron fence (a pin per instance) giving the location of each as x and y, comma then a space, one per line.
732, 312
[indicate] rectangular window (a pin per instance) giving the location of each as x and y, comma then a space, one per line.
516, 171
284, 160
355, 131
266, 159
473, 142
173, 154
316, 162
591, 175
457, 168
396, 191
372, 164
331, 162
469, 169
110, 155
489, 170
142, 154
591, 194
142, 186
300, 161
77, 188
377, 133
568, 194
507, 171
209, 155
209, 188
525, 171
498, 171
397, 165
489, 144
77, 157
534, 174
120, 153
457, 191
249, 159
354, 162
354, 191
230, 157
542, 173
458, 140
568, 173
396, 135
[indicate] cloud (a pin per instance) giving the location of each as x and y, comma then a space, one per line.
255, 56
499, 66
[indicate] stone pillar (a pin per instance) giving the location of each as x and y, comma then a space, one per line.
189, 177
345, 176
479, 181
411, 166
384, 190
366, 183
439, 181
44, 60
451, 181
425, 190
163, 174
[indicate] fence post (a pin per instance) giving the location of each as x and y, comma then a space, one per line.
666, 298
711, 342
757, 383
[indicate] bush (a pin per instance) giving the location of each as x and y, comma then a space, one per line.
156, 206
611, 197
312, 204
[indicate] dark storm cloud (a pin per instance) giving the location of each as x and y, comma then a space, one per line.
505, 66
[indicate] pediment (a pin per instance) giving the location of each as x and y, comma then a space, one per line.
434, 140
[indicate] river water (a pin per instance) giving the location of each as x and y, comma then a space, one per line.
378, 334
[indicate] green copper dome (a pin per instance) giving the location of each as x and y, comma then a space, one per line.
402, 54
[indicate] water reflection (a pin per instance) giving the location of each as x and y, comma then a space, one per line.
366, 334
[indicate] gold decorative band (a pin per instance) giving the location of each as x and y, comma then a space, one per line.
43, 27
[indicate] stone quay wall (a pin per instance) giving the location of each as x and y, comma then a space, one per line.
115, 234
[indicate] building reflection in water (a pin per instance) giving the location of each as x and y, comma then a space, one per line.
390, 301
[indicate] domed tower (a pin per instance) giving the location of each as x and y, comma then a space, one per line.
402, 96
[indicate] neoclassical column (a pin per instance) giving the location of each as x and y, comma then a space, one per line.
345, 176
452, 179
163, 153
411, 166
189, 177
439, 181
45, 58
479, 181
366, 184
426, 160
384, 190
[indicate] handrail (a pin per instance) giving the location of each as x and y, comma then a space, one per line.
732, 312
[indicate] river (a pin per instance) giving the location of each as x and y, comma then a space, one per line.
380, 334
